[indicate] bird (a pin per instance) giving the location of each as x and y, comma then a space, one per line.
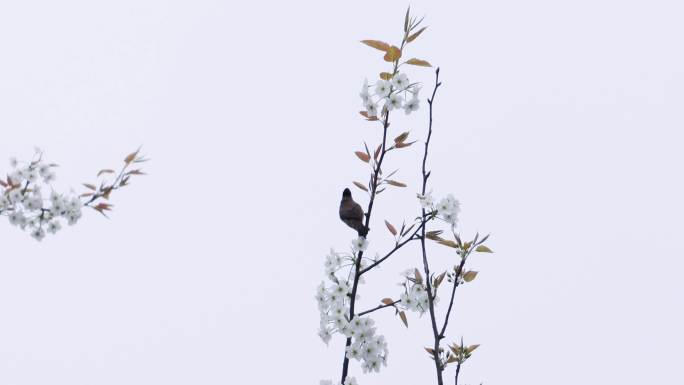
351, 213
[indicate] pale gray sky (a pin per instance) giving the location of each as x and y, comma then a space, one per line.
566, 116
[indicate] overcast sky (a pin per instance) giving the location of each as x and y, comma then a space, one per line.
558, 127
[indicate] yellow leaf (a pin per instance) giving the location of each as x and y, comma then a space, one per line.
361, 186
395, 183
483, 249
471, 348
418, 62
455, 349
469, 275
415, 35
393, 53
363, 156
377, 44
448, 242
385, 75
387, 301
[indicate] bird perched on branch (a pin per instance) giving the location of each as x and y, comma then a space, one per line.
351, 213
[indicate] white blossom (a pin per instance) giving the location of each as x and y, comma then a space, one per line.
371, 109
400, 81
43, 169
16, 195
38, 233
17, 218
394, 101
382, 88
53, 227
365, 96
359, 244
415, 90
426, 201
325, 335
411, 105
448, 209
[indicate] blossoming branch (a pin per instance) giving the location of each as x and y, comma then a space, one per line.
30, 202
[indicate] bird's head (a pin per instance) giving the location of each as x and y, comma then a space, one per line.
346, 193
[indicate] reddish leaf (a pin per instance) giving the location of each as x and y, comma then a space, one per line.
363, 156
370, 118
391, 228
402, 144
401, 138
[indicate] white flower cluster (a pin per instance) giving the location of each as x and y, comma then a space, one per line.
333, 304
392, 94
333, 300
448, 208
415, 296
23, 202
366, 346
347, 381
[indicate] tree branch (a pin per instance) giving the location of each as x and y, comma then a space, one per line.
397, 247
439, 367
378, 308
453, 293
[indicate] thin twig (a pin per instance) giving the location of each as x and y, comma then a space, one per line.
453, 293
439, 367
378, 308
